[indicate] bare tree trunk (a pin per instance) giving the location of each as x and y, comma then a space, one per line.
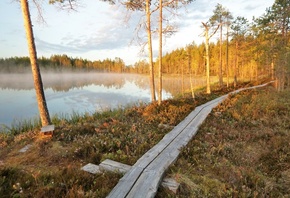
256, 72
182, 78
42, 107
221, 61
207, 58
190, 73
207, 65
236, 65
227, 56
272, 71
243, 75
160, 53
152, 83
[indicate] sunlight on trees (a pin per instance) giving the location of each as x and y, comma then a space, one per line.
42, 106
251, 50
150, 7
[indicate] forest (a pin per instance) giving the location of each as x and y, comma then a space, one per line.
242, 150
246, 50
62, 63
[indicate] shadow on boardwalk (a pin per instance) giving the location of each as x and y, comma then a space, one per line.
143, 179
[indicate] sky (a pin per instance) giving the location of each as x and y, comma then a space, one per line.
98, 30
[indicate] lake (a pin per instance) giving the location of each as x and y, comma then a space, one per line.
79, 92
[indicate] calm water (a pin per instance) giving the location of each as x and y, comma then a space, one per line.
74, 92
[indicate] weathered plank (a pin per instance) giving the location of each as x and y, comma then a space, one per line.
91, 168
171, 184
126, 182
47, 131
113, 166
162, 154
143, 179
154, 162
149, 179
24, 149
151, 154
47, 128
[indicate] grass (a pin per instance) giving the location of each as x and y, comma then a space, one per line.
51, 168
242, 150
23, 126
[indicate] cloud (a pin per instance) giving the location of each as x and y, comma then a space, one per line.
53, 47
108, 37
93, 32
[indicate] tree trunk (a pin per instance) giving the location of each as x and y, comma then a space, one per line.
190, 72
227, 55
221, 61
160, 53
272, 70
207, 58
236, 65
151, 69
182, 78
207, 65
42, 107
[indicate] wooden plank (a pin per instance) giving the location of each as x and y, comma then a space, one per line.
24, 149
113, 166
164, 160
126, 182
91, 168
146, 185
152, 165
158, 167
159, 157
150, 155
47, 128
167, 139
171, 184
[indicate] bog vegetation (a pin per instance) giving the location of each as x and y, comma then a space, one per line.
52, 168
241, 149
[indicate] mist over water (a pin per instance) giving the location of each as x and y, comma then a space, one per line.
71, 92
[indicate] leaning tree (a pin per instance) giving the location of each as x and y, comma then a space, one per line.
42, 106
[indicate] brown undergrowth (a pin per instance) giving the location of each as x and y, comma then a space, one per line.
241, 150
51, 167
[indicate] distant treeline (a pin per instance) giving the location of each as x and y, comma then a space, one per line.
245, 50
62, 63
248, 61
246, 57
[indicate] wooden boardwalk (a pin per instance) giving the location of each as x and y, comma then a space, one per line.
143, 179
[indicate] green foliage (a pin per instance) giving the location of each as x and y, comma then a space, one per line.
18, 127
257, 49
62, 63
220, 14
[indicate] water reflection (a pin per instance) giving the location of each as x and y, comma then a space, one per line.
67, 93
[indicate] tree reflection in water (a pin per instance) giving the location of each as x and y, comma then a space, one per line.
80, 92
